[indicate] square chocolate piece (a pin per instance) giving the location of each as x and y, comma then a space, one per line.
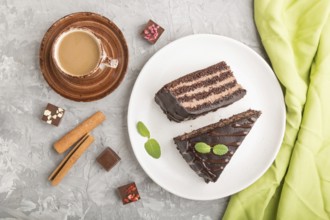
152, 32
129, 193
108, 159
53, 114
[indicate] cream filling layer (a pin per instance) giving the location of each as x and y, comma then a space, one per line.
204, 78
209, 87
212, 98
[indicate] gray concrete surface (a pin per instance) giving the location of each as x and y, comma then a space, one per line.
26, 154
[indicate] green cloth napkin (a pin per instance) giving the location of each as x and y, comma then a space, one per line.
296, 36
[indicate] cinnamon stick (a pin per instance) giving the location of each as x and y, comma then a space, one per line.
70, 159
75, 134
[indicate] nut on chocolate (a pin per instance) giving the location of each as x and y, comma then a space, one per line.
53, 114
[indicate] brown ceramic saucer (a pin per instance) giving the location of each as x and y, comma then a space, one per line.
103, 82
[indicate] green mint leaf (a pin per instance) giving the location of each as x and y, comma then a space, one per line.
142, 129
152, 147
202, 148
220, 149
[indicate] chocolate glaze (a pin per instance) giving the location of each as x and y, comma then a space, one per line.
230, 132
171, 106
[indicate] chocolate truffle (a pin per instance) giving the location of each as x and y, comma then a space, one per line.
53, 114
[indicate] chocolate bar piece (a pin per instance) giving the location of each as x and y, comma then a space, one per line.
108, 159
152, 32
129, 193
53, 114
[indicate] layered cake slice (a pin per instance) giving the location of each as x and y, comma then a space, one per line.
199, 92
229, 132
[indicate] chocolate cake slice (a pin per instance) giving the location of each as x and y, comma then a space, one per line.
199, 92
230, 132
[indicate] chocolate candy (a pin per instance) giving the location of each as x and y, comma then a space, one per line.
53, 114
108, 159
129, 193
152, 32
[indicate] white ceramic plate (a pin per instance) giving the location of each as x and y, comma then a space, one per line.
257, 151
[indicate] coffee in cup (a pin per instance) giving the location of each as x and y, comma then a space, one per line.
79, 53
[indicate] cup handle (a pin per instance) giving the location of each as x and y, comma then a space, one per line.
110, 62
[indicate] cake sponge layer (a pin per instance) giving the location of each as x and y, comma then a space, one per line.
199, 92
